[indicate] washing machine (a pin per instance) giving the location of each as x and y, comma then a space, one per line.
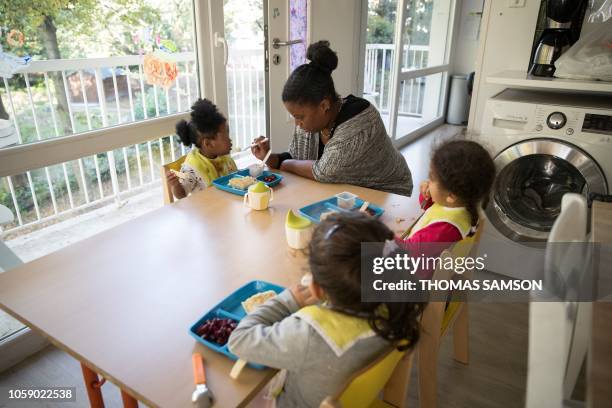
544, 144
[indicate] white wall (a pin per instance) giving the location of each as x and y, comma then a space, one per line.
466, 41
339, 22
505, 44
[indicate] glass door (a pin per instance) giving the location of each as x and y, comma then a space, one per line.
254, 51
97, 86
407, 63
245, 70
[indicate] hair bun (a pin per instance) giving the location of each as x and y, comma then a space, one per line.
183, 130
322, 56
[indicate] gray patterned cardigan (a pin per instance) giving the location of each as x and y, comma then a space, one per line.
360, 153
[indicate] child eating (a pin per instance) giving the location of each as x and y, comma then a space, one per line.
461, 175
320, 345
208, 133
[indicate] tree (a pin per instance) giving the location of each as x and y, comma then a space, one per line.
39, 21
381, 22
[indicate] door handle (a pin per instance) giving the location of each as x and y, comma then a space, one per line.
220, 40
277, 43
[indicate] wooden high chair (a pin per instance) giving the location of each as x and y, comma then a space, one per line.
175, 165
438, 319
390, 374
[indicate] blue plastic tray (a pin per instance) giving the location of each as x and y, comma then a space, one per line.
231, 308
221, 182
313, 211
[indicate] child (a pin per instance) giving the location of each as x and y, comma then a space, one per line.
321, 346
209, 158
461, 175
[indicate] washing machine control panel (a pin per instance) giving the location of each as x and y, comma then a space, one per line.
556, 120
594, 123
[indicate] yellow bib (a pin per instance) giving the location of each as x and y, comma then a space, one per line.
210, 169
340, 331
459, 217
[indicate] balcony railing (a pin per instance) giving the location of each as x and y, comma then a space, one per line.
54, 98
377, 77
49, 99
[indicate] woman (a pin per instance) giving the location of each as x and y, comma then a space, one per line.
336, 140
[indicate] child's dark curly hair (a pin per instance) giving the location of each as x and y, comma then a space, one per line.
204, 124
335, 257
465, 169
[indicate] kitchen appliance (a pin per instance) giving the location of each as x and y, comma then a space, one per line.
544, 144
556, 38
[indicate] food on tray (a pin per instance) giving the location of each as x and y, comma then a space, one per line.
257, 299
217, 330
326, 214
241, 183
368, 211
270, 178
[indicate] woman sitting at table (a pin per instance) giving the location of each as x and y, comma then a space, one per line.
208, 133
336, 140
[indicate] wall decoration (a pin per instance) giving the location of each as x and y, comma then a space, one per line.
160, 69
15, 38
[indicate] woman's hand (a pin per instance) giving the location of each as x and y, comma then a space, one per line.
260, 147
303, 296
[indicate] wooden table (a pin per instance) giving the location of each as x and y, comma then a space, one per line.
122, 301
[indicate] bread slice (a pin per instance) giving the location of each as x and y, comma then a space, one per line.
257, 299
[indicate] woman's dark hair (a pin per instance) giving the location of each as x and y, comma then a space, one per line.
465, 169
335, 258
204, 123
311, 83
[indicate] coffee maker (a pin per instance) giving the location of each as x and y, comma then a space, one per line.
557, 36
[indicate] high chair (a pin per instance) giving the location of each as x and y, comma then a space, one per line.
175, 165
390, 374
438, 319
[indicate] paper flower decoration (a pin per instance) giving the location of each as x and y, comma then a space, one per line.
160, 69
15, 38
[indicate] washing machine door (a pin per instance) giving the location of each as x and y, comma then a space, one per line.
532, 176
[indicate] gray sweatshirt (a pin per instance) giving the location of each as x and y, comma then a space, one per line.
273, 336
360, 153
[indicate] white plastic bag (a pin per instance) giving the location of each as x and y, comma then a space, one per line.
590, 57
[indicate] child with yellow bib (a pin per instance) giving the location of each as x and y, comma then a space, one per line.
461, 174
320, 345
208, 133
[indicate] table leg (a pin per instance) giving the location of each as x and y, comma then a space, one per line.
128, 400
92, 386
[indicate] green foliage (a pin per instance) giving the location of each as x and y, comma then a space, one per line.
380, 30
381, 22
80, 24
382, 16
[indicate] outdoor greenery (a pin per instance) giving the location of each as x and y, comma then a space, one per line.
382, 16
67, 29
64, 29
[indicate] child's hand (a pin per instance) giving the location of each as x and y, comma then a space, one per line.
303, 296
424, 189
260, 147
173, 180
